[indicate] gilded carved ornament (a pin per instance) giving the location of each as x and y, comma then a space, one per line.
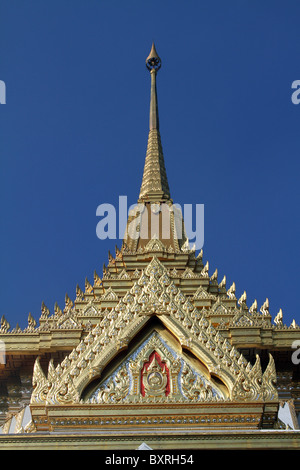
66, 382
155, 373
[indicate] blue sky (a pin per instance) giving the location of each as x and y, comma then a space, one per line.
73, 135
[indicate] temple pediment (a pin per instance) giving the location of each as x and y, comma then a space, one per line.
198, 366
156, 373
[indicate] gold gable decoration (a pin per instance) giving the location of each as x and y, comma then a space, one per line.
65, 384
155, 374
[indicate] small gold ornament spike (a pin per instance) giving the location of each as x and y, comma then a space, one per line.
153, 60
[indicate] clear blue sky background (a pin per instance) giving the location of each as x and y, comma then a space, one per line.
73, 135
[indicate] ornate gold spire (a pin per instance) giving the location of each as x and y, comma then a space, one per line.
154, 216
155, 185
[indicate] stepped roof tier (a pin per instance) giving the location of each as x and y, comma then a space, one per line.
157, 349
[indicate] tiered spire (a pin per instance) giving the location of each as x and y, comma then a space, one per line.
155, 185
154, 217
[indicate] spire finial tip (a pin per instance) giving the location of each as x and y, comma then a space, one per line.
153, 60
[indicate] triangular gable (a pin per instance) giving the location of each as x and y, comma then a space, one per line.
154, 293
155, 372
